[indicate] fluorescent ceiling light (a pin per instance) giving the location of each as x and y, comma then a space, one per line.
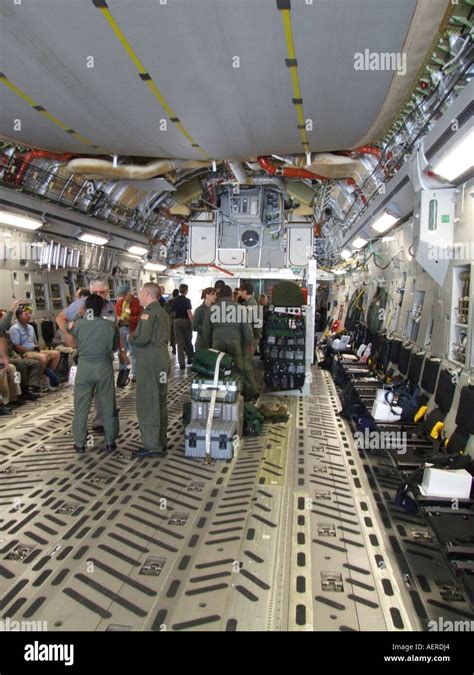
15, 220
384, 222
154, 267
137, 250
458, 159
360, 242
338, 271
346, 254
93, 238
388, 238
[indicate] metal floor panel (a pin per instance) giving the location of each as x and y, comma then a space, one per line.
283, 537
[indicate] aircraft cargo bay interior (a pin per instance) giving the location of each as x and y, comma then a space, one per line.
236, 316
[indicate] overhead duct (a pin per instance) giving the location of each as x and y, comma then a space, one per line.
103, 169
241, 175
297, 172
185, 194
336, 167
303, 194
287, 171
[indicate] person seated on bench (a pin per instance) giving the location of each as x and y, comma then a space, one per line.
25, 343
10, 390
28, 369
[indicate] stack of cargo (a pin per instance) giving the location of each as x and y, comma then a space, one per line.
217, 408
284, 338
284, 350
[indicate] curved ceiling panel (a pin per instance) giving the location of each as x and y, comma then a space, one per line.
188, 48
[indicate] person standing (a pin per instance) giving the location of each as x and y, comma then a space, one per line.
162, 301
96, 340
170, 310
219, 285
224, 330
75, 310
153, 368
208, 296
127, 311
183, 329
248, 300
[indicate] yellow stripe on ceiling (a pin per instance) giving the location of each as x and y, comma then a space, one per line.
145, 75
290, 45
40, 109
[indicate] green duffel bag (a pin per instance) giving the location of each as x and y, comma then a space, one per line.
253, 420
204, 363
287, 294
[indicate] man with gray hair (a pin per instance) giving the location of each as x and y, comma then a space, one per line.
153, 368
76, 308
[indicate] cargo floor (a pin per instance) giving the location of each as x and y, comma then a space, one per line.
284, 537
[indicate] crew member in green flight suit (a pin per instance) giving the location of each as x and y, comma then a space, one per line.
226, 329
96, 340
153, 368
208, 296
248, 300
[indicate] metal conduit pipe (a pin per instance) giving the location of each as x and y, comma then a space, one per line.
35, 154
240, 174
303, 173
288, 171
369, 150
365, 150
